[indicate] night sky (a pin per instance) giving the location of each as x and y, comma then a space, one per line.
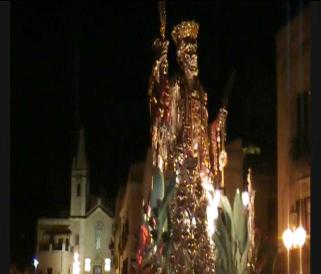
107, 91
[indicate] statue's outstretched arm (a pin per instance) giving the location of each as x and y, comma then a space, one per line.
158, 77
217, 139
159, 99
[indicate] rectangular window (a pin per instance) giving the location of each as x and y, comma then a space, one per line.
107, 264
87, 264
78, 189
51, 239
77, 239
303, 208
97, 269
303, 122
60, 241
67, 244
308, 214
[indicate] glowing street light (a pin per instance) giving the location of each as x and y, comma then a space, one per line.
295, 238
288, 238
299, 236
35, 263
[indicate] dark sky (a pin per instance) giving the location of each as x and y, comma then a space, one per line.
113, 45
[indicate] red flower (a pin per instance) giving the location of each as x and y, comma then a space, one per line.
144, 241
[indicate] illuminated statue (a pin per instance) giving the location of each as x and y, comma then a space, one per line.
181, 153
189, 226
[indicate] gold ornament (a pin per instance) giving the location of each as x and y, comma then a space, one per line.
185, 29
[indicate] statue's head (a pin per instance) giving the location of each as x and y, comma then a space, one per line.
185, 38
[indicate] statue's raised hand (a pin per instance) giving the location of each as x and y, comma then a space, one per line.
160, 46
221, 118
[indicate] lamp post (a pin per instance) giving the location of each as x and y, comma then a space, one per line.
294, 239
35, 264
287, 238
300, 236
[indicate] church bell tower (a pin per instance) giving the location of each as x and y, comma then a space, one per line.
79, 179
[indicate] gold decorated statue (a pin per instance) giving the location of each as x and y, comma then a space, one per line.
189, 226
184, 159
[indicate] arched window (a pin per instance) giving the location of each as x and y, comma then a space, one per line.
77, 239
98, 234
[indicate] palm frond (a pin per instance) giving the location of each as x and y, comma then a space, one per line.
231, 237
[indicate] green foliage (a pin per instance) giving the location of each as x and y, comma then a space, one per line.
231, 237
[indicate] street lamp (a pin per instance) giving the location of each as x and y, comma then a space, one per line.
299, 236
288, 239
294, 238
35, 264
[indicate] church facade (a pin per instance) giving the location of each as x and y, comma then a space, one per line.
80, 243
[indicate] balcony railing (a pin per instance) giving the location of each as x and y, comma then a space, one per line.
55, 247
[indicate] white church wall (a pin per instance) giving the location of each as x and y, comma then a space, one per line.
79, 227
59, 261
96, 238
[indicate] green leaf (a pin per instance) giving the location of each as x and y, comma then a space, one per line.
162, 216
244, 258
231, 237
226, 206
237, 262
222, 256
157, 188
240, 221
228, 211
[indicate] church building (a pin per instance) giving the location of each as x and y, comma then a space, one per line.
80, 243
